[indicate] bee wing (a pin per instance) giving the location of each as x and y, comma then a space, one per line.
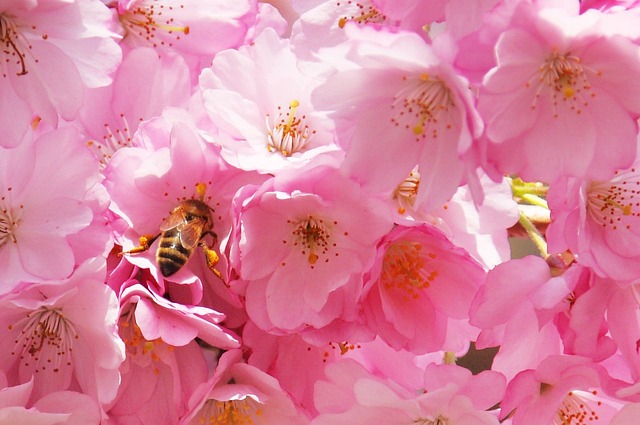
190, 233
176, 218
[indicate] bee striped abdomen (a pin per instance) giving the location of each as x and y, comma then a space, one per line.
171, 255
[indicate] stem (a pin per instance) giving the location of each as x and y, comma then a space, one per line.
535, 236
534, 200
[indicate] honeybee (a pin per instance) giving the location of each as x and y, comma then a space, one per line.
180, 233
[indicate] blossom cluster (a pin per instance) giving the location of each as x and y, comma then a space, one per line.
300, 211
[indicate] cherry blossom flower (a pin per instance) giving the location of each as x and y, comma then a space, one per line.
403, 109
557, 82
46, 65
419, 282
168, 164
263, 113
480, 227
305, 240
510, 315
164, 363
142, 87
240, 393
561, 390
599, 221
39, 215
197, 29
63, 336
321, 23
352, 395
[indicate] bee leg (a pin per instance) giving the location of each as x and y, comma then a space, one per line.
212, 259
145, 243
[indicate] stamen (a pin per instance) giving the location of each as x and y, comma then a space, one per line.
423, 106
575, 409
366, 13
237, 412
565, 76
405, 268
614, 203
313, 236
46, 339
288, 134
9, 221
111, 141
14, 46
406, 192
147, 17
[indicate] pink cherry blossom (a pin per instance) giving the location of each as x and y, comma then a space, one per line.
517, 317
321, 23
352, 395
305, 240
164, 363
562, 389
260, 102
63, 335
599, 221
420, 281
40, 215
148, 181
296, 363
48, 65
404, 106
480, 227
142, 87
240, 393
196, 29
557, 82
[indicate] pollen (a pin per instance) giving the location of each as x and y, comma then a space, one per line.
360, 13
615, 204
239, 412
45, 340
405, 193
135, 343
152, 22
15, 47
406, 268
564, 77
313, 237
577, 408
424, 107
288, 133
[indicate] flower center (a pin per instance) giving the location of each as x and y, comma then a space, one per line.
406, 192
112, 140
612, 204
9, 221
313, 236
288, 134
237, 412
575, 410
46, 339
565, 76
360, 13
13, 46
150, 19
137, 346
405, 268
423, 106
